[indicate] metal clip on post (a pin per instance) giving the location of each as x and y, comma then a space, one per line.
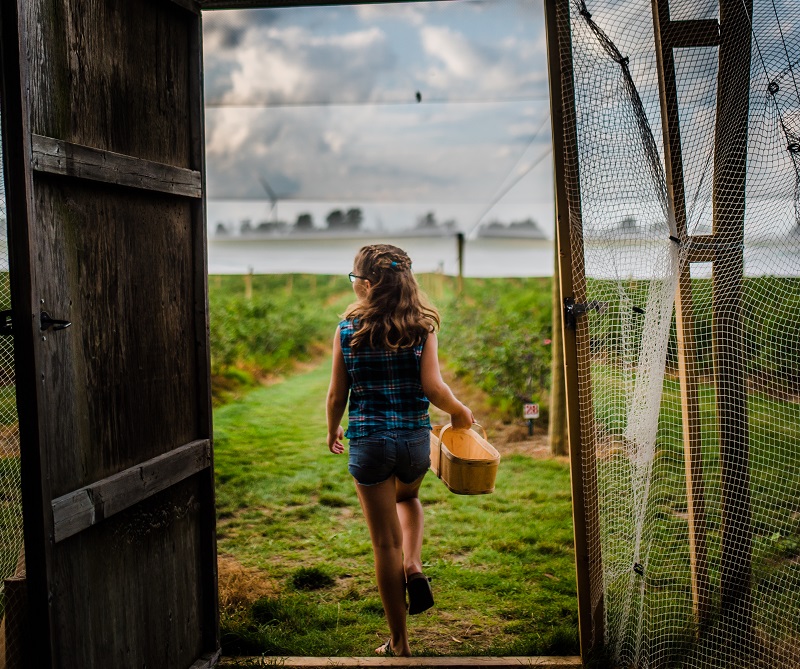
574, 309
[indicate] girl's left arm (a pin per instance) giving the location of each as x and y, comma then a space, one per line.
337, 398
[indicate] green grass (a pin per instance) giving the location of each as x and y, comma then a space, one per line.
502, 564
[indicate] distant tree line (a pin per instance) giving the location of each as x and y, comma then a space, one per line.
338, 220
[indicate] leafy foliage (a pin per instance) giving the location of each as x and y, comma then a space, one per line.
497, 335
262, 324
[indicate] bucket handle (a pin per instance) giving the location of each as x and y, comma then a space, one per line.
441, 434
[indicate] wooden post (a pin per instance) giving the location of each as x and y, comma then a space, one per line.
580, 425
557, 425
460, 252
730, 170
668, 35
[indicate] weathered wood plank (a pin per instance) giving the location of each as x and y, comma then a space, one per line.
139, 576
112, 75
553, 662
54, 156
83, 508
120, 384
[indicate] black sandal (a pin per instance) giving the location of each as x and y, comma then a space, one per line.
420, 595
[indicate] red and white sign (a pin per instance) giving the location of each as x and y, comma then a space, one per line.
530, 411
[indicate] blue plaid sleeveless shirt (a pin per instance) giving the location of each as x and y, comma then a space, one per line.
385, 387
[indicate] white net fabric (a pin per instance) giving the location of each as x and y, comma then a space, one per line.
690, 362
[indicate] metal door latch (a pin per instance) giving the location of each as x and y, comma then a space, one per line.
574, 309
5, 324
47, 323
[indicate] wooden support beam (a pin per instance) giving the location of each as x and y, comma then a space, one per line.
580, 424
685, 34
666, 38
55, 156
730, 171
554, 662
87, 506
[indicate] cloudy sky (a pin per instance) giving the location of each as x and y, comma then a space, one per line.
319, 105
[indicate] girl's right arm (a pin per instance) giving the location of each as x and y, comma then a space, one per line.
337, 398
437, 391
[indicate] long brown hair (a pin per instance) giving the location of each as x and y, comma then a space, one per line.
395, 313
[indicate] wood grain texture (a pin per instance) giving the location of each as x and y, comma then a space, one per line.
120, 384
55, 156
112, 75
128, 592
76, 511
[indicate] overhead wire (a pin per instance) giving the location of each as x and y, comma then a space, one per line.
387, 103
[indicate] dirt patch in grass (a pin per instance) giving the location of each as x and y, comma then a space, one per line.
240, 586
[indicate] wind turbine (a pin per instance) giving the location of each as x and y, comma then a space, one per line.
273, 198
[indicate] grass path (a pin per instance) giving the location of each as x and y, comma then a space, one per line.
296, 563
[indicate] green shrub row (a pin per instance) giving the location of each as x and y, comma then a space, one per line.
497, 335
262, 324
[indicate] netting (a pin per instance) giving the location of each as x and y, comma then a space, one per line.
12, 562
690, 365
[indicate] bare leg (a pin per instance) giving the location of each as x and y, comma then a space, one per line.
412, 523
379, 507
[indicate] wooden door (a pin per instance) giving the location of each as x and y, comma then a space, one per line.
103, 129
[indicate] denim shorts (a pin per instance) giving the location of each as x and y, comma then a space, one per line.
405, 454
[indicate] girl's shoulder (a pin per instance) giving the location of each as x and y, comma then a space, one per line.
347, 327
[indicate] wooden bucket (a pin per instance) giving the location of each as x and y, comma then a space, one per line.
464, 460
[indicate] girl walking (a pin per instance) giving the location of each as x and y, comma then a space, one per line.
385, 362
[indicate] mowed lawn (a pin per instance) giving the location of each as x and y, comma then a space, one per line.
296, 573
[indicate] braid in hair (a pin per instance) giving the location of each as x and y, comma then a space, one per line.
394, 313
